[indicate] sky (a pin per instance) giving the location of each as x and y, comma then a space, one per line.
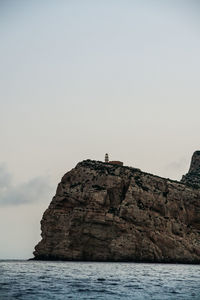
82, 78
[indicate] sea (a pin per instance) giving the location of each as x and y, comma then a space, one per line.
42, 280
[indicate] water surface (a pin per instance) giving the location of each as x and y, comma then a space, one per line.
78, 280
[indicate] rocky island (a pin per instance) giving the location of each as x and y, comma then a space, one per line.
109, 212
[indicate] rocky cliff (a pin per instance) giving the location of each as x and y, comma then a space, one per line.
107, 212
192, 178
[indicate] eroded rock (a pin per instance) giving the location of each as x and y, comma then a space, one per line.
105, 212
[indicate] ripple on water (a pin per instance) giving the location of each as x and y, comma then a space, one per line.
58, 280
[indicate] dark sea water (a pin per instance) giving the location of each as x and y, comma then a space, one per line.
79, 280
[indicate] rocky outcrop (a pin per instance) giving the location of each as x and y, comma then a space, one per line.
192, 178
107, 212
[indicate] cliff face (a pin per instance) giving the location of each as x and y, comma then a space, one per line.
106, 212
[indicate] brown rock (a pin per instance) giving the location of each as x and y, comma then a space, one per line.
192, 178
105, 212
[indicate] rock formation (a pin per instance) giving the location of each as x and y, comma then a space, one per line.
192, 178
107, 212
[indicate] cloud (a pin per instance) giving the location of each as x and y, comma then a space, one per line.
5, 177
177, 165
175, 169
34, 190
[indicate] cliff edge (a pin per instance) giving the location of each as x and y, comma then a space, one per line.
107, 212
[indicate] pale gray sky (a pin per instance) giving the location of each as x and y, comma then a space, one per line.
81, 78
